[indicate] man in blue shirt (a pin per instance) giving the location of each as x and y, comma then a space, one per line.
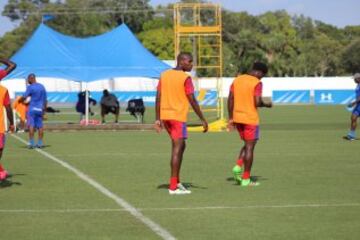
356, 111
36, 110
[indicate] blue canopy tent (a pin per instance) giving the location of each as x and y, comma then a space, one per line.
114, 54
117, 53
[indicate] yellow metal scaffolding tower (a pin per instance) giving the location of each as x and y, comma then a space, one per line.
198, 29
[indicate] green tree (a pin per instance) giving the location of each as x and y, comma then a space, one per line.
278, 40
241, 33
304, 27
132, 12
22, 9
14, 40
159, 41
351, 57
229, 58
352, 32
69, 20
157, 23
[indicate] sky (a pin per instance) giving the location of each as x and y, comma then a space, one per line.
339, 13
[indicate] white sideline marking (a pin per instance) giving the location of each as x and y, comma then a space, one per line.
163, 233
315, 205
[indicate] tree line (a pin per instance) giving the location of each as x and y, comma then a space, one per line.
291, 45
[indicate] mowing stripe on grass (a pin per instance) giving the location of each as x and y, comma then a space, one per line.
113, 154
315, 205
163, 233
101, 154
255, 207
61, 210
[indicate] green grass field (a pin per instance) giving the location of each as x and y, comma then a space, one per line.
309, 183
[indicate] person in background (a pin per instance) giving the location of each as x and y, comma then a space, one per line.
81, 103
20, 109
109, 104
356, 110
37, 107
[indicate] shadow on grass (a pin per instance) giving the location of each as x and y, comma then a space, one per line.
187, 185
8, 183
310, 126
27, 147
15, 174
253, 178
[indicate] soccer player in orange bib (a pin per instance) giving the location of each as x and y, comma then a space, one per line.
174, 93
245, 97
5, 103
21, 110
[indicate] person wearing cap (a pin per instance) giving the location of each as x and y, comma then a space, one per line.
356, 111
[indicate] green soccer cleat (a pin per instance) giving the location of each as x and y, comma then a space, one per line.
237, 171
249, 183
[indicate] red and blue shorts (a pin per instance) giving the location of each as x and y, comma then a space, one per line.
248, 132
2, 140
176, 129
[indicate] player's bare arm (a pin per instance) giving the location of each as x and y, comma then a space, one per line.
356, 102
157, 124
10, 66
9, 114
45, 106
230, 106
259, 101
194, 104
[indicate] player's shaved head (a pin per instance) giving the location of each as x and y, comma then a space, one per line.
259, 66
184, 61
31, 78
357, 77
184, 55
259, 70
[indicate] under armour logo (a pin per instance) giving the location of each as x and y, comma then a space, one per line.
326, 97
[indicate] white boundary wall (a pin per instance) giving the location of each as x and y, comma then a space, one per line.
148, 84
290, 83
